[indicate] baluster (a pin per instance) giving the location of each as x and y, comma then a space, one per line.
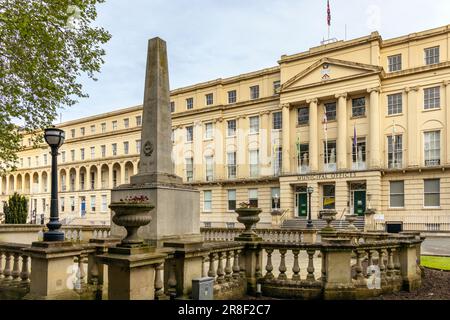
204, 258
159, 292
390, 264
25, 274
7, 270
228, 269
358, 268
296, 267
397, 262
16, 268
236, 267
220, 272
324, 267
369, 261
258, 273
310, 269
212, 271
282, 268
172, 282
381, 265
269, 266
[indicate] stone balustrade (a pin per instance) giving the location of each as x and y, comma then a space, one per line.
14, 271
271, 235
360, 266
85, 233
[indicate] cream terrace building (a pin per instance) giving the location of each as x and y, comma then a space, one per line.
364, 122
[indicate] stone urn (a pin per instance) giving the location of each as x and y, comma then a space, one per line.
351, 218
328, 215
131, 216
249, 217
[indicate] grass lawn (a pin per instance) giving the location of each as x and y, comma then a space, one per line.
441, 263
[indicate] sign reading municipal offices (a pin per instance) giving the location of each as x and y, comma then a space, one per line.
328, 176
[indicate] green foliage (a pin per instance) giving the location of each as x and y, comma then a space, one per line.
16, 210
45, 47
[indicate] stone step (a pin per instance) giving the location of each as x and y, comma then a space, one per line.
338, 224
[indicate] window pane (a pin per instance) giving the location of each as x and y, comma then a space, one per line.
432, 200
397, 187
432, 186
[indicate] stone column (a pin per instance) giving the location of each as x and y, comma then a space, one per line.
446, 107
131, 276
220, 149
342, 131
77, 179
250, 259
286, 139
338, 283
199, 168
122, 173
265, 145
99, 177
313, 136
413, 136
409, 268
110, 176
51, 265
242, 152
374, 128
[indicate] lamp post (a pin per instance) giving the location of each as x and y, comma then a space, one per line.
54, 138
310, 190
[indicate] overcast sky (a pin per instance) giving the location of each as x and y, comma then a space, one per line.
210, 39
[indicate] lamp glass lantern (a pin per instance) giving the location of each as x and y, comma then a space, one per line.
55, 138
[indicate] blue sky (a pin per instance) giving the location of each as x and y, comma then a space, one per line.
210, 39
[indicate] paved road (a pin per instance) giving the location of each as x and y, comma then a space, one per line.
436, 246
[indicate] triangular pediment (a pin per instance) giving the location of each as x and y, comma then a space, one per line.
328, 69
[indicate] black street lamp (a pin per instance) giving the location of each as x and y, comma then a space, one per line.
310, 190
55, 138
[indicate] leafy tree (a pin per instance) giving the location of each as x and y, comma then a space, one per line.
16, 211
45, 47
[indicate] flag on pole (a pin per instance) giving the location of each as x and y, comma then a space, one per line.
355, 139
328, 13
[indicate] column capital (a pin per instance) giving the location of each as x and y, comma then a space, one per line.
241, 116
411, 89
375, 89
314, 100
341, 95
286, 106
220, 120
446, 83
265, 113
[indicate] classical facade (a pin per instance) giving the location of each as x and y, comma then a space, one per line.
363, 122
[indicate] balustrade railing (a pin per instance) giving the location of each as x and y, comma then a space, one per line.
14, 266
271, 235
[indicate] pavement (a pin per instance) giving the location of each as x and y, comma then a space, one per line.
436, 246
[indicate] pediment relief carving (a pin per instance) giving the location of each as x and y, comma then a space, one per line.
328, 69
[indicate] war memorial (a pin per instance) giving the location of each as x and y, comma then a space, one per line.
155, 248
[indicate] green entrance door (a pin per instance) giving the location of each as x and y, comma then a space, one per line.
359, 202
302, 200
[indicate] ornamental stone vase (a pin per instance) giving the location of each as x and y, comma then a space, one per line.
328, 215
248, 217
131, 216
351, 218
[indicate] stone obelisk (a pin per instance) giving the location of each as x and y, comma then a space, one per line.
177, 208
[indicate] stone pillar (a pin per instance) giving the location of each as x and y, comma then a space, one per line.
251, 260
110, 176
131, 276
51, 265
99, 177
338, 284
220, 149
313, 136
265, 145
77, 179
342, 131
413, 135
242, 152
199, 168
409, 268
374, 128
122, 173
446, 107
286, 140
